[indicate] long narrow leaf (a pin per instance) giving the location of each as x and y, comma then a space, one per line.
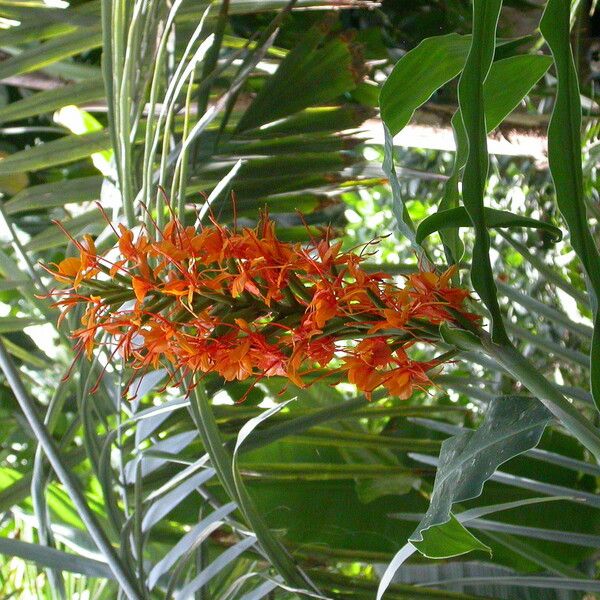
564, 155
471, 101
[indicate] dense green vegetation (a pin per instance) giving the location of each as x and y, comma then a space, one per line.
334, 116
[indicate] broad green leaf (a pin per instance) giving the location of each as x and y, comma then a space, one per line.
512, 425
448, 539
508, 82
418, 74
436, 61
471, 102
564, 155
458, 217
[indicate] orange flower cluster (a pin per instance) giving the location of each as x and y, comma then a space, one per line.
243, 304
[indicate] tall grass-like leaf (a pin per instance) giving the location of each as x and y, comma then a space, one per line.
55, 559
51, 195
215, 567
51, 100
57, 152
123, 576
45, 54
193, 537
471, 102
224, 464
564, 155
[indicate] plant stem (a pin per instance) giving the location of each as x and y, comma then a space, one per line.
546, 392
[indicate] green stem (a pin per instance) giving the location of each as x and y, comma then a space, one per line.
522, 370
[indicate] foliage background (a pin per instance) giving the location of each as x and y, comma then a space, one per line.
86, 116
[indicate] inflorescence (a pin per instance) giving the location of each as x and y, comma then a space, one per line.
245, 305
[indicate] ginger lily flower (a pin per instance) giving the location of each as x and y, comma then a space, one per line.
245, 305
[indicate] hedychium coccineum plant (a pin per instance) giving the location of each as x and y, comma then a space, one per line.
483, 104
243, 304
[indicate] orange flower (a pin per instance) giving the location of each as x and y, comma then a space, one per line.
140, 288
322, 307
234, 363
192, 287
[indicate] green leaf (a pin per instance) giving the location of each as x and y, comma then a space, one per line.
320, 69
564, 156
49, 557
458, 217
403, 219
51, 100
448, 539
53, 237
43, 55
512, 425
51, 154
58, 193
471, 102
461, 338
224, 464
508, 82
371, 489
8, 324
436, 61
418, 74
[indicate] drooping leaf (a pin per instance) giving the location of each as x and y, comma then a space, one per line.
512, 425
458, 217
418, 74
50, 557
564, 155
471, 102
